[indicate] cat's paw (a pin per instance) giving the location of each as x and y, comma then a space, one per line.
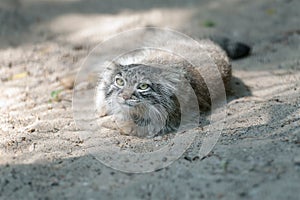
108, 122
124, 127
127, 128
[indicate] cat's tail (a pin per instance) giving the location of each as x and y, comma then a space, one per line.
234, 49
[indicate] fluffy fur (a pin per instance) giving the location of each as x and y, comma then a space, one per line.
157, 110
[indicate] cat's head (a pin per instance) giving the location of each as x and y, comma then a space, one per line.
139, 84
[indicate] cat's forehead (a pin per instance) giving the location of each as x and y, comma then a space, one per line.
138, 72
137, 69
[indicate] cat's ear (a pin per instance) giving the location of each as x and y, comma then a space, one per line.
119, 67
107, 72
115, 65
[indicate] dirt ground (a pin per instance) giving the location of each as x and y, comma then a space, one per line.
43, 43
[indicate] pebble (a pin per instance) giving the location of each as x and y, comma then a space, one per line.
32, 147
3, 103
68, 82
297, 160
158, 138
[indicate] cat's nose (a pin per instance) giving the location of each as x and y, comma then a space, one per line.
125, 96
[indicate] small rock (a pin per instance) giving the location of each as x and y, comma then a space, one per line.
32, 147
158, 138
68, 82
31, 130
297, 160
54, 184
78, 47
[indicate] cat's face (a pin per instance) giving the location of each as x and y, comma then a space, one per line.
136, 85
145, 95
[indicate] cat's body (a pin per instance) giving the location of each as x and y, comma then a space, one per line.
150, 87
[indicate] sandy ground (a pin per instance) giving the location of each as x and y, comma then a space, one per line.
43, 43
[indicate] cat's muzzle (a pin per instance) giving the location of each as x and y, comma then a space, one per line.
128, 102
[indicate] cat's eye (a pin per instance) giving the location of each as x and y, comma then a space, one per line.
143, 86
120, 82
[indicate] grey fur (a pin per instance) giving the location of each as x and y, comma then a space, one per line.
158, 110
